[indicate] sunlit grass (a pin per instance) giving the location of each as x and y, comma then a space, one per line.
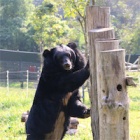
134, 119
12, 105
17, 101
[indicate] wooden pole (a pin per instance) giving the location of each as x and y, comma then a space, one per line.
103, 45
99, 45
112, 96
97, 17
98, 25
101, 38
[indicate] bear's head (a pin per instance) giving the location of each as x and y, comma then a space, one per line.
80, 59
62, 56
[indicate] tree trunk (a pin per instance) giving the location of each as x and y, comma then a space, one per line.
95, 35
104, 108
112, 96
97, 17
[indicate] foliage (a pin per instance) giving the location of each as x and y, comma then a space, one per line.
12, 17
26, 27
49, 28
136, 38
74, 11
125, 16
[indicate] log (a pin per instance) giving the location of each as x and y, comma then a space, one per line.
24, 116
72, 129
106, 100
94, 37
97, 17
112, 96
101, 45
98, 27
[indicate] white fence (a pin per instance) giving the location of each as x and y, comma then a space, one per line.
133, 66
19, 79
24, 80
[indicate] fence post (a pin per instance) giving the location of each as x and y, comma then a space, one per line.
108, 94
98, 27
7, 79
27, 80
112, 96
139, 63
38, 75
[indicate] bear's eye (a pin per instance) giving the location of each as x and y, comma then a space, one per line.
69, 55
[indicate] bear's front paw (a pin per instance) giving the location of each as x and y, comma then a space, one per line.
87, 113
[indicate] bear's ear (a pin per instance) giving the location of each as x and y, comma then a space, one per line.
46, 53
72, 45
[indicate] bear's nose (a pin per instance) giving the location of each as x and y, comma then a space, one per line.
67, 66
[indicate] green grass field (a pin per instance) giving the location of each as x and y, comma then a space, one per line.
14, 103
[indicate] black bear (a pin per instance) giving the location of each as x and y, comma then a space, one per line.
57, 96
77, 109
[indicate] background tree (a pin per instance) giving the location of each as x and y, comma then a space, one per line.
48, 25
125, 15
135, 41
74, 12
13, 15
124, 18
24, 26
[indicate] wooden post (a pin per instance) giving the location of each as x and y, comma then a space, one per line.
112, 96
97, 17
7, 79
98, 25
95, 35
101, 38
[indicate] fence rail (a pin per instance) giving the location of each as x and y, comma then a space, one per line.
19, 79
25, 80
133, 66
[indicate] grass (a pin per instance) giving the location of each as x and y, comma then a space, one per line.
12, 105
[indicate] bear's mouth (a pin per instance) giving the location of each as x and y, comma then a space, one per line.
67, 67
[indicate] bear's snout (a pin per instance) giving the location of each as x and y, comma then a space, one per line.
67, 66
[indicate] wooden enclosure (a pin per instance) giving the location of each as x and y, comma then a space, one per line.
108, 94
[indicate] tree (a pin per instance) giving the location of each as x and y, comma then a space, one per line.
74, 12
124, 18
13, 15
124, 15
135, 41
48, 26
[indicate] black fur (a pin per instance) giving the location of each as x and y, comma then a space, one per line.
56, 81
